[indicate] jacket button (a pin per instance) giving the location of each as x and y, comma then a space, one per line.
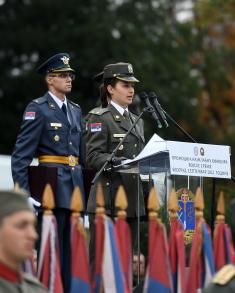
70, 143
107, 183
135, 145
133, 156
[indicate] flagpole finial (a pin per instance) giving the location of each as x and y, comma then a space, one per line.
48, 201
121, 202
220, 208
173, 204
76, 204
199, 203
17, 187
153, 204
100, 210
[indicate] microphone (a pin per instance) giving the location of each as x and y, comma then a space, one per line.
158, 107
143, 96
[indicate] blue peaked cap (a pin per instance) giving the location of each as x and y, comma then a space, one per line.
57, 63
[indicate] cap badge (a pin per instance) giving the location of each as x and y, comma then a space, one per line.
65, 60
130, 68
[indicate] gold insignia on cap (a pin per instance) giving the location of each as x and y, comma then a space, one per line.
130, 68
117, 116
65, 60
56, 138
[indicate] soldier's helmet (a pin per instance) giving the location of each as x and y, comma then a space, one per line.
56, 64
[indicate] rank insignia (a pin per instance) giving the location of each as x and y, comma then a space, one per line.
52, 106
29, 115
96, 127
56, 138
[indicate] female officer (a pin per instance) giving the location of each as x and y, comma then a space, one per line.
105, 127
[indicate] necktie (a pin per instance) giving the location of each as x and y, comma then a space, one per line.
64, 109
127, 118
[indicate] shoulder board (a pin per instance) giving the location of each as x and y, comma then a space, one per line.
74, 104
31, 279
224, 275
99, 111
40, 100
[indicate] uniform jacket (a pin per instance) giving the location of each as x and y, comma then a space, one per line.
105, 128
15, 282
46, 131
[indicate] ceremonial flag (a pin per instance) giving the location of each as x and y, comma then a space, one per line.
177, 256
201, 266
223, 246
99, 249
112, 274
158, 275
80, 266
49, 264
123, 237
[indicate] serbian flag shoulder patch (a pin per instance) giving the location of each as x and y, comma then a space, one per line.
95, 127
29, 115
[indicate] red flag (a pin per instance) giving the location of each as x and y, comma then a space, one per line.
158, 276
49, 264
99, 249
123, 237
223, 246
80, 266
177, 256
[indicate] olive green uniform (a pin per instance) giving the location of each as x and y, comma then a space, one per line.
111, 127
28, 284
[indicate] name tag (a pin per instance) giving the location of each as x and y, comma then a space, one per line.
119, 135
56, 124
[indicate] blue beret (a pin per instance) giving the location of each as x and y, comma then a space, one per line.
57, 63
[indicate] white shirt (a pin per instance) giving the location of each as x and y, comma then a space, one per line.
60, 103
118, 107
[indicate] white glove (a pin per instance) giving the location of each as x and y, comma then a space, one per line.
32, 202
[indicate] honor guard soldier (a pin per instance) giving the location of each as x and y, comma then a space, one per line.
105, 128
52, 131
18, 236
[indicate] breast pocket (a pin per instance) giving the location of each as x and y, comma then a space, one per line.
123, 147
56, 134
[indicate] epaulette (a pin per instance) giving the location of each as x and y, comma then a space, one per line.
224, 275
40, 100
99, 111
74, 104
31, 279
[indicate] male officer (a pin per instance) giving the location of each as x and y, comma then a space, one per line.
105, 128
18, 236
52, 130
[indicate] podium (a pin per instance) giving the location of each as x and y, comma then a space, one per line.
167, 164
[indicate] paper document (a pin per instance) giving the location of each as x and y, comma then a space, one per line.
155, 144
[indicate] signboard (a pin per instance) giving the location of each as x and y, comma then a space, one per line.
203, 160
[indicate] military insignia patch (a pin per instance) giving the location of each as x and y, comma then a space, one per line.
95, 127
29, 115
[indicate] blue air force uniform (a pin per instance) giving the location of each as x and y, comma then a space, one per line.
53, 135
45, 131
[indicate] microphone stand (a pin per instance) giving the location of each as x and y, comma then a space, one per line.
149, 109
